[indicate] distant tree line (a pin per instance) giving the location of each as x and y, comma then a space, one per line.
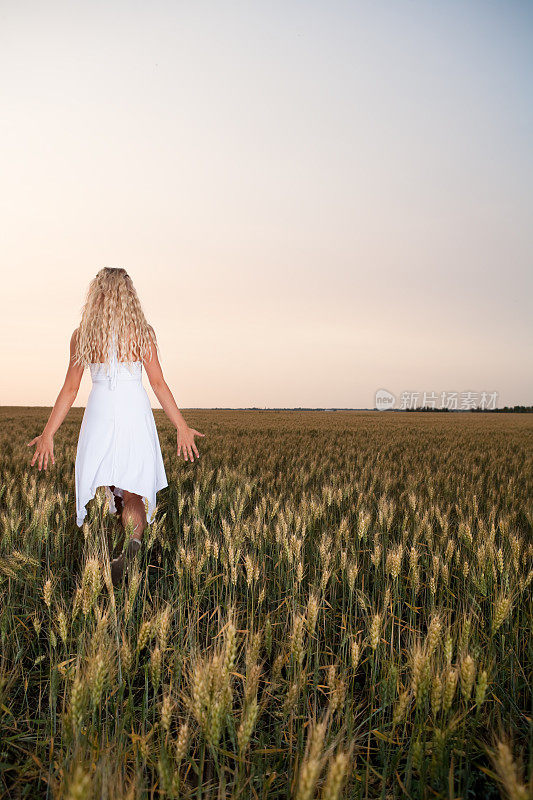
508, 409
504, 410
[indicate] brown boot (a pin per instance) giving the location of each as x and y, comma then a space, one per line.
117, 564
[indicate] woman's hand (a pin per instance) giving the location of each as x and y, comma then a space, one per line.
45, 448
186, 442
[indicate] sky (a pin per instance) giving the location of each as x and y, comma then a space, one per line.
315, 200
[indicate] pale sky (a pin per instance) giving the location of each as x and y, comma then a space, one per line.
315, 200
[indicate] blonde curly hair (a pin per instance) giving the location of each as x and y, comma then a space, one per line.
112, 304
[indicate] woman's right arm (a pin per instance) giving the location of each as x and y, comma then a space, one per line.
45, 442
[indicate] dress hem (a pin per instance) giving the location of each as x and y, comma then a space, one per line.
112, 509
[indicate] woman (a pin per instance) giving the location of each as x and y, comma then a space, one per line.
118, 445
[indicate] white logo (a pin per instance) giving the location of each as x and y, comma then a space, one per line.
384, 400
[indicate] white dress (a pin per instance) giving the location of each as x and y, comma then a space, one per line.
118, 443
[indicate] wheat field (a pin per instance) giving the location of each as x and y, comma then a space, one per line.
328, 605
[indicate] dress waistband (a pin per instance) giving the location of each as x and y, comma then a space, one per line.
114, 378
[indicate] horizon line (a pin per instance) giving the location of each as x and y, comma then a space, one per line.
423, 409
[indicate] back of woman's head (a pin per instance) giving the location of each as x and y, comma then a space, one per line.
112, 306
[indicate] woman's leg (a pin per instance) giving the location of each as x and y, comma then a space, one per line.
133, 512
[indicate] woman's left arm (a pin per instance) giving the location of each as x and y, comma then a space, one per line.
65, 398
